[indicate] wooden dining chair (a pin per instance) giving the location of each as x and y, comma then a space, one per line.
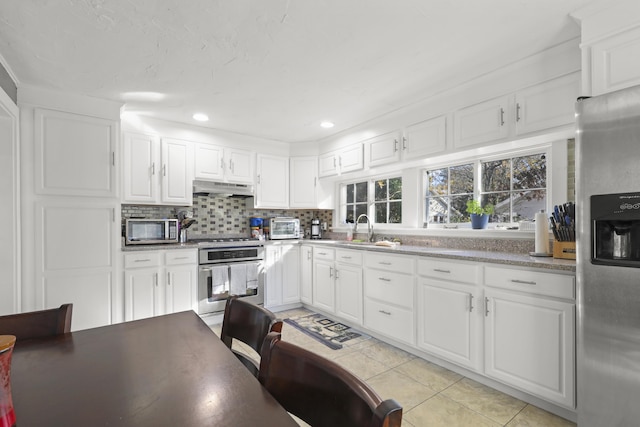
250, 324
319, 391
37, 324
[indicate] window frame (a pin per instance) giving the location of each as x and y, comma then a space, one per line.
370, 198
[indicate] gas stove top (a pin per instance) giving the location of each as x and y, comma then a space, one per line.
227, 242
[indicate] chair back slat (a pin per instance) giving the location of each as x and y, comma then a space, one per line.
37, 324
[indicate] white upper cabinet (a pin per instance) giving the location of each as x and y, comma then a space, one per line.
615, 62
530, 110
75, 154
157, 172
482, 122
424, 138
348, 159
272, 189
547, 105
177, 172
217, 163
383, 149
303, 181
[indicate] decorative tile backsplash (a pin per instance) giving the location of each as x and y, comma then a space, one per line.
224, 215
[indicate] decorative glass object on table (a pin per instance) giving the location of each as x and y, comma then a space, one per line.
7, 415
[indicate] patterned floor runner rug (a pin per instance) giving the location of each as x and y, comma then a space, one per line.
333, 334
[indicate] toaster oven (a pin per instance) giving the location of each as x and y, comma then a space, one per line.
284, 228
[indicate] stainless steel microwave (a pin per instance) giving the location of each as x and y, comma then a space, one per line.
284, 228
151, 231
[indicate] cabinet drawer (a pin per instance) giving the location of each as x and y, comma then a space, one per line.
534, 282
387, 262
349, 257
143, 259
320, 252
449, 270
183, 256
393, 288
388, 320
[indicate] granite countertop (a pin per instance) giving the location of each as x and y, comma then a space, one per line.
134, 248
507, 258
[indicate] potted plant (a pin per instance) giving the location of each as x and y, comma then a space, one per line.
479, 214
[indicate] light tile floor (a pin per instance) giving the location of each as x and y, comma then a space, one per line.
429, 394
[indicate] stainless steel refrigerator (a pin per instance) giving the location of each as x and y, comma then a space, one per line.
608, 259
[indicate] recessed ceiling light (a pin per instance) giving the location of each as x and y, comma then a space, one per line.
201, 117
326, 124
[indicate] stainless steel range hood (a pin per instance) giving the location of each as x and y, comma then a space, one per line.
222, 189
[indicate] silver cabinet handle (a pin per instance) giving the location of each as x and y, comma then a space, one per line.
309, 255
439, 270
501, 116
345, 257
156, 277
470, 303
168, 278
334, 161
404, 143
322, 253
231, 165
330, 271
181, 257
486, 306
395, 145
153, 168
258, 179
384, 279
524, 282
517, 112
221, 163
385, 312
336, 274
143, 260
164, 170
384, 263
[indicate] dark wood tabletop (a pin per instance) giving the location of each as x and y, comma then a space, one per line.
164, 371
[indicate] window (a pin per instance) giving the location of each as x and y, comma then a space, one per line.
384, 195
448, 190
357, 201
388, 201
516, 186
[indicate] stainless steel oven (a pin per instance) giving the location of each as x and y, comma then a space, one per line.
229, 267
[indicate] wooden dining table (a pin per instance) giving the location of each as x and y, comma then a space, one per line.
163, 371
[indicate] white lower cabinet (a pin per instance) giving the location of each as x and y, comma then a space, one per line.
323, 279
282, 275
449, 311
306, 274
389, 295
348, 286
159, 282
530, 333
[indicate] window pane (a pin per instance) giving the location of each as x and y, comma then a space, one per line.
527, 203
437, 209
395, 188
381, 213
350, 191
438, 182
502, 205
361, 209
496, 176
349, 213
458, 209
361, 192
529, 172
380, 190
462, 179
395, 212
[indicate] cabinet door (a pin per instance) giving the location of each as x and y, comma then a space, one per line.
348, 288
547, 105
529, 344
328, 164
447, 321
306, 274
351, 158
141, 168
615, 62
142, 293
239, 166
424, 138
383, 149
74, 154
482, 122
209, 162
273, 276
323, 286
181, 288
273, 182
177, 172
303, 182
290, 274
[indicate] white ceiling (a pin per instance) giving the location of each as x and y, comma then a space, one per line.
272, 68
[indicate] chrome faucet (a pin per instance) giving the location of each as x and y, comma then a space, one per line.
369, 227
